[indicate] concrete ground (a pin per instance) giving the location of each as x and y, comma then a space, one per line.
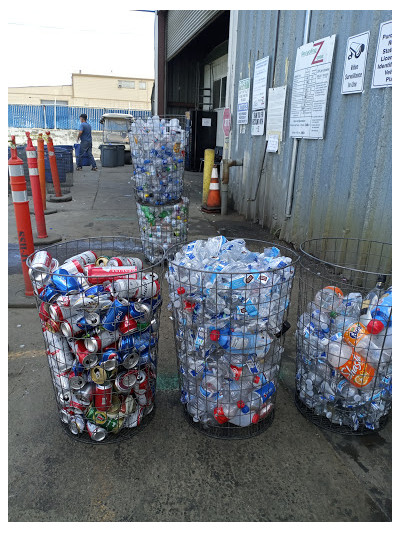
294, 471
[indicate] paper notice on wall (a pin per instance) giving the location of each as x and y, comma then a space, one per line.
382, 74
206, 122
243, 101
257, 122
311, 79
260, 83
276, 110
273, 143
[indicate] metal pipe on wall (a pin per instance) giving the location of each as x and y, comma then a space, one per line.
289, 198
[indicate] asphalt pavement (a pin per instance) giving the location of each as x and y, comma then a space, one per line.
169, 472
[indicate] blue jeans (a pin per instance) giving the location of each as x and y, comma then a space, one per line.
85, 148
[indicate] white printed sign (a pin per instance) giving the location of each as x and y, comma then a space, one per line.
206, 122
382, 75
257, 122
354, 63
243, 101
312, 74
276, 110
260, 83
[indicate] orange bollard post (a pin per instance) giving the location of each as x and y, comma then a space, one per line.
21, 209
35, 185
59, 197
42, 174
41, 168
53, 165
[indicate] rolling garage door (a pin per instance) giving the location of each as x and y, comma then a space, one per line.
182, 26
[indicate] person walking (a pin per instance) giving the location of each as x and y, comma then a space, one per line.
85, 136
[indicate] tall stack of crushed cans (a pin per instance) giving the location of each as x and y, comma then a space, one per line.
229, 307
158, 155
99, 317
344, 357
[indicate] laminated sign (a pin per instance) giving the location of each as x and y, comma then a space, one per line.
311, 79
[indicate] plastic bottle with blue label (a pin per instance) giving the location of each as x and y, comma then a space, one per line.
381, 314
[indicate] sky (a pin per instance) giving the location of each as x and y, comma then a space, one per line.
96, 37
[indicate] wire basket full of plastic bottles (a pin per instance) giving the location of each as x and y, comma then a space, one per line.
158, 158
163, 225
99, 303
229, 301
344, 334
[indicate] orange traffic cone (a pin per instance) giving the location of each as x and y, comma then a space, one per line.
214, 198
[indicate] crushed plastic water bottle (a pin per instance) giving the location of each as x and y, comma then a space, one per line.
229, 306
344, 373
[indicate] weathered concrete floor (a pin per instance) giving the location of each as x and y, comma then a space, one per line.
294, 471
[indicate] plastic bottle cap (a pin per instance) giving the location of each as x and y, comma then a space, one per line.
255, 418
256, 380
241, 404
180, 290
215, 335
375, 327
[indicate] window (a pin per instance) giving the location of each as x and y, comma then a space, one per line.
142, 85
219, 93
52, 102
126, 84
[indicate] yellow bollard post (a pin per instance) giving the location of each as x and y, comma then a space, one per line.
209, 155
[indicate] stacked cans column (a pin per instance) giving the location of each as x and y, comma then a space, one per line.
229, 301
157, 147
99, 305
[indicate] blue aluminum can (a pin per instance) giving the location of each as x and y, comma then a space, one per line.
95, 290
65, 283
49, 294
115, 315
109, 359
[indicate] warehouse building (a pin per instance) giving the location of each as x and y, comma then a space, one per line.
329, 177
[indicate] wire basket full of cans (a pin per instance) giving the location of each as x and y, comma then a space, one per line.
344, 334
99, 303
158, 157
229, 301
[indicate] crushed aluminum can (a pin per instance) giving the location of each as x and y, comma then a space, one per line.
76, 424
96, 433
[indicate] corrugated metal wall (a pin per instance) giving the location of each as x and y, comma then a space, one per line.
184, 25
343, 182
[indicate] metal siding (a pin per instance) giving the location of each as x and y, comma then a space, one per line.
184, 25
343, 182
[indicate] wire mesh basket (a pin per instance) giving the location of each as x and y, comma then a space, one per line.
99, 304
164, 225
158, 158
229, 303
343, 336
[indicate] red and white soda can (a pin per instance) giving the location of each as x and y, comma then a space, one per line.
59, 313
78, 406
52, 326
125, 381
96, 433
149, 287
100, 274
128, 325
103, 396
73, 267
86, 358
84, 258
41, 263
125, 261
44, 313
101, 340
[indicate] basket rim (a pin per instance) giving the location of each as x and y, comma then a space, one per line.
138, 240
309, 255
278, 245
